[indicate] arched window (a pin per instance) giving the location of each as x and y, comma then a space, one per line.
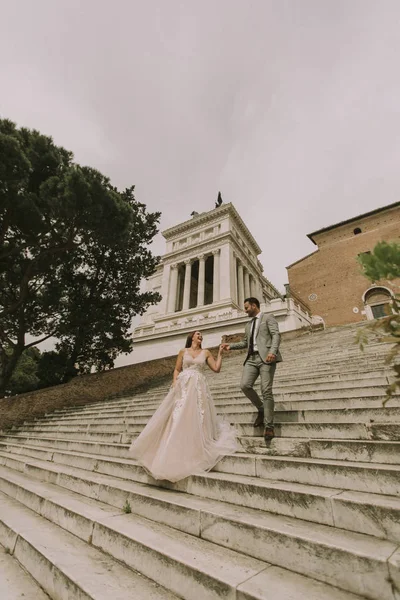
357, 230
377, 301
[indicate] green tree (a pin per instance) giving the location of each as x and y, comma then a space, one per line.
51, 368
24, 377
384, 263
51, 212
104, 293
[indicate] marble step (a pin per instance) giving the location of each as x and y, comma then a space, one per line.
65, 566
364, 477
354, 450
234, 396
109, 480
238, 414
99, 448
352, 431
348, 389
15, 582
239, 404
299, 386
375, 478
165, 520
159, 393
314, 430
186, 565
279, 446
386, 452
310, 379
380, 451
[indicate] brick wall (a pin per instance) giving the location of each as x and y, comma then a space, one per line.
333, 274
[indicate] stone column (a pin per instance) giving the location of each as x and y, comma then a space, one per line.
173, 288
246, 284
186, 289
225, 273
240, 286
260, 293
202, 281
216, 276
164, 288
234, 279
254, 287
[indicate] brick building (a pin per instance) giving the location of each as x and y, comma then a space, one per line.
330, 280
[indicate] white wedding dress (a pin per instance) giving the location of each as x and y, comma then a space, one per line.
185, 436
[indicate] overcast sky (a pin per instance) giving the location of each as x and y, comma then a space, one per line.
290, 107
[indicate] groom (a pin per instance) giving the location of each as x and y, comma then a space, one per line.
262, 340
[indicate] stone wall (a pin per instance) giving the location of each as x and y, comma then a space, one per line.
330, 280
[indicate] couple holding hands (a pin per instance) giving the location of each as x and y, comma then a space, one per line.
185, 436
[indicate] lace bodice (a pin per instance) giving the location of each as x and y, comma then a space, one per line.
197, 363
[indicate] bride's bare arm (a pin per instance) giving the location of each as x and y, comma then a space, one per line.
215, 365
178, 366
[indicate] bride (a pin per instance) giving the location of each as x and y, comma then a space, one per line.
185, 436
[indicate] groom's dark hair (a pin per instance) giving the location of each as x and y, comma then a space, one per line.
252, 300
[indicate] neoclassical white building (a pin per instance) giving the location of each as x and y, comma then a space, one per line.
210, 266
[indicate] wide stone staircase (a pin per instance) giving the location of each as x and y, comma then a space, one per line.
316, 516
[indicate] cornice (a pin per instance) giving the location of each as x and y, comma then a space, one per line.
203, 247
210, 217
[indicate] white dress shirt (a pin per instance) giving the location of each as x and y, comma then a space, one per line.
256, 328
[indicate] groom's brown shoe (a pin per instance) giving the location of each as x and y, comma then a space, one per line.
260, 419
269, 434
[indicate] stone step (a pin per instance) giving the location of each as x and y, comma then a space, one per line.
352, 431
387, 452
109, 480
338, 415
304, 365
354, 450
279, 446
313, 430
186, 565
363, 477
374, 478
101, 448
123, 433
331, 449
236, 397
15, 582
307, 376
234, 391
238, 413
238, 404
335, 556
334, 352
296, 386
65, 566
118, 438
157, 394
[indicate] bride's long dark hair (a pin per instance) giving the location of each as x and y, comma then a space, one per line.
189, 339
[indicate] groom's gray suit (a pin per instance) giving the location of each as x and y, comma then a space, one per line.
267, 340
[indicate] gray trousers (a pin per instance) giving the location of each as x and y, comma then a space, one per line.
253, 368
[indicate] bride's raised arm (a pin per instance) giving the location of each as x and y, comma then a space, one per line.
215, 365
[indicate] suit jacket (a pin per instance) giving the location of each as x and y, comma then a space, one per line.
267, 339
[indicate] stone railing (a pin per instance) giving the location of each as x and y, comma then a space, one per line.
300, 303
